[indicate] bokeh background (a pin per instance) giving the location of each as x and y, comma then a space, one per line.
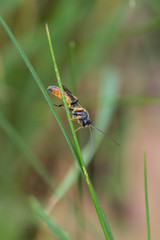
114, 40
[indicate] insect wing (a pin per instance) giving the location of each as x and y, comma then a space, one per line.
70, 95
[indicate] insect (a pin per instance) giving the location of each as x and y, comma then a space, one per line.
78, 112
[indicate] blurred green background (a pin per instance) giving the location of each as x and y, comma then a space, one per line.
119, 39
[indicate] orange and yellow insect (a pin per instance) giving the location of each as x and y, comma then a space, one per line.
78, 112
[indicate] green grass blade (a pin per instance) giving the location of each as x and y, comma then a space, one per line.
77, 153
109, 87
102, 218
40, 213
39, 83
79, 159
146, 198
20, 143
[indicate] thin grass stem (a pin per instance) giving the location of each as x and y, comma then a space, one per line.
146, 198
100, 213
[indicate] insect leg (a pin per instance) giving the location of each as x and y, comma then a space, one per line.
74, 119
78, 129
78, 109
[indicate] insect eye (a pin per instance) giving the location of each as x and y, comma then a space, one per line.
87, 122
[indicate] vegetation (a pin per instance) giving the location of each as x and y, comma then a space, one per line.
107, 55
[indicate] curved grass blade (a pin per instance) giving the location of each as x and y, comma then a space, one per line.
77, 153
39, 83
40, 213
79, 159
102, 218
20, 143
146, 198
109, 87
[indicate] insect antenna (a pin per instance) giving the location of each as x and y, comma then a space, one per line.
106, 134
92, 142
